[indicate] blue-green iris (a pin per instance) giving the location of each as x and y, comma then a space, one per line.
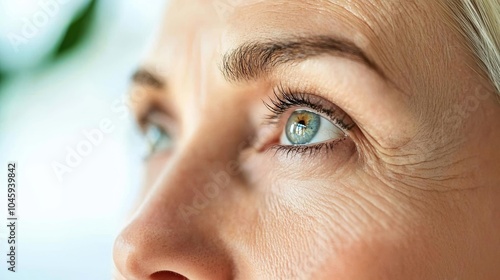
302, 126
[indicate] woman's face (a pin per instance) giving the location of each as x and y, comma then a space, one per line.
314, 140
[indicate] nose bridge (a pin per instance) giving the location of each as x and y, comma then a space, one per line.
193, 178
174, 229
202, 166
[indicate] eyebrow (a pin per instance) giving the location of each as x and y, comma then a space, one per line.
252, 60
147, 78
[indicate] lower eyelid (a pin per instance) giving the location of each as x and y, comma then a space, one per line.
323, 148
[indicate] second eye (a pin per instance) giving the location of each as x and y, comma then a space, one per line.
305, 127
158, 139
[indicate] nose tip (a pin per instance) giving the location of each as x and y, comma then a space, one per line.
126, 258
133, 262
146, 250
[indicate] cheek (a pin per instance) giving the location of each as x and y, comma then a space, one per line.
324, 229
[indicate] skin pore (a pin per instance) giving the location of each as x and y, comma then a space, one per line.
407, 186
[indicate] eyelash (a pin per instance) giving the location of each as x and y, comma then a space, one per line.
286, 98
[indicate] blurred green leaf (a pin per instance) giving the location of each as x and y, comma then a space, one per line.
77, 31
2, 77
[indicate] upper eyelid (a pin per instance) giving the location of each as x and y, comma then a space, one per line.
152, 106
286, 98
157, 117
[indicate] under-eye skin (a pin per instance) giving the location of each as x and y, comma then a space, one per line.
306, 122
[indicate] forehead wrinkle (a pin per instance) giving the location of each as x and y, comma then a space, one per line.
382, 26
413, 44
389, 27
405, 38
395, 33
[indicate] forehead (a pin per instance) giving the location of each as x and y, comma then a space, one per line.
268, 16
391, 32
248, 19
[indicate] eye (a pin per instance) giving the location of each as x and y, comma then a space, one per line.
157, 138
305, 127
302, 122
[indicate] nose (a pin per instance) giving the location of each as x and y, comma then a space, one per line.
165, 240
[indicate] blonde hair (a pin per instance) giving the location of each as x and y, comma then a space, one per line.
479, 22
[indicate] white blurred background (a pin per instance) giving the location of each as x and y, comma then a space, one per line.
66, 228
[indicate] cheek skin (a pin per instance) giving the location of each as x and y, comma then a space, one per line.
305, 230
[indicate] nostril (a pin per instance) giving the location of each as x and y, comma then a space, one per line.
167, 275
